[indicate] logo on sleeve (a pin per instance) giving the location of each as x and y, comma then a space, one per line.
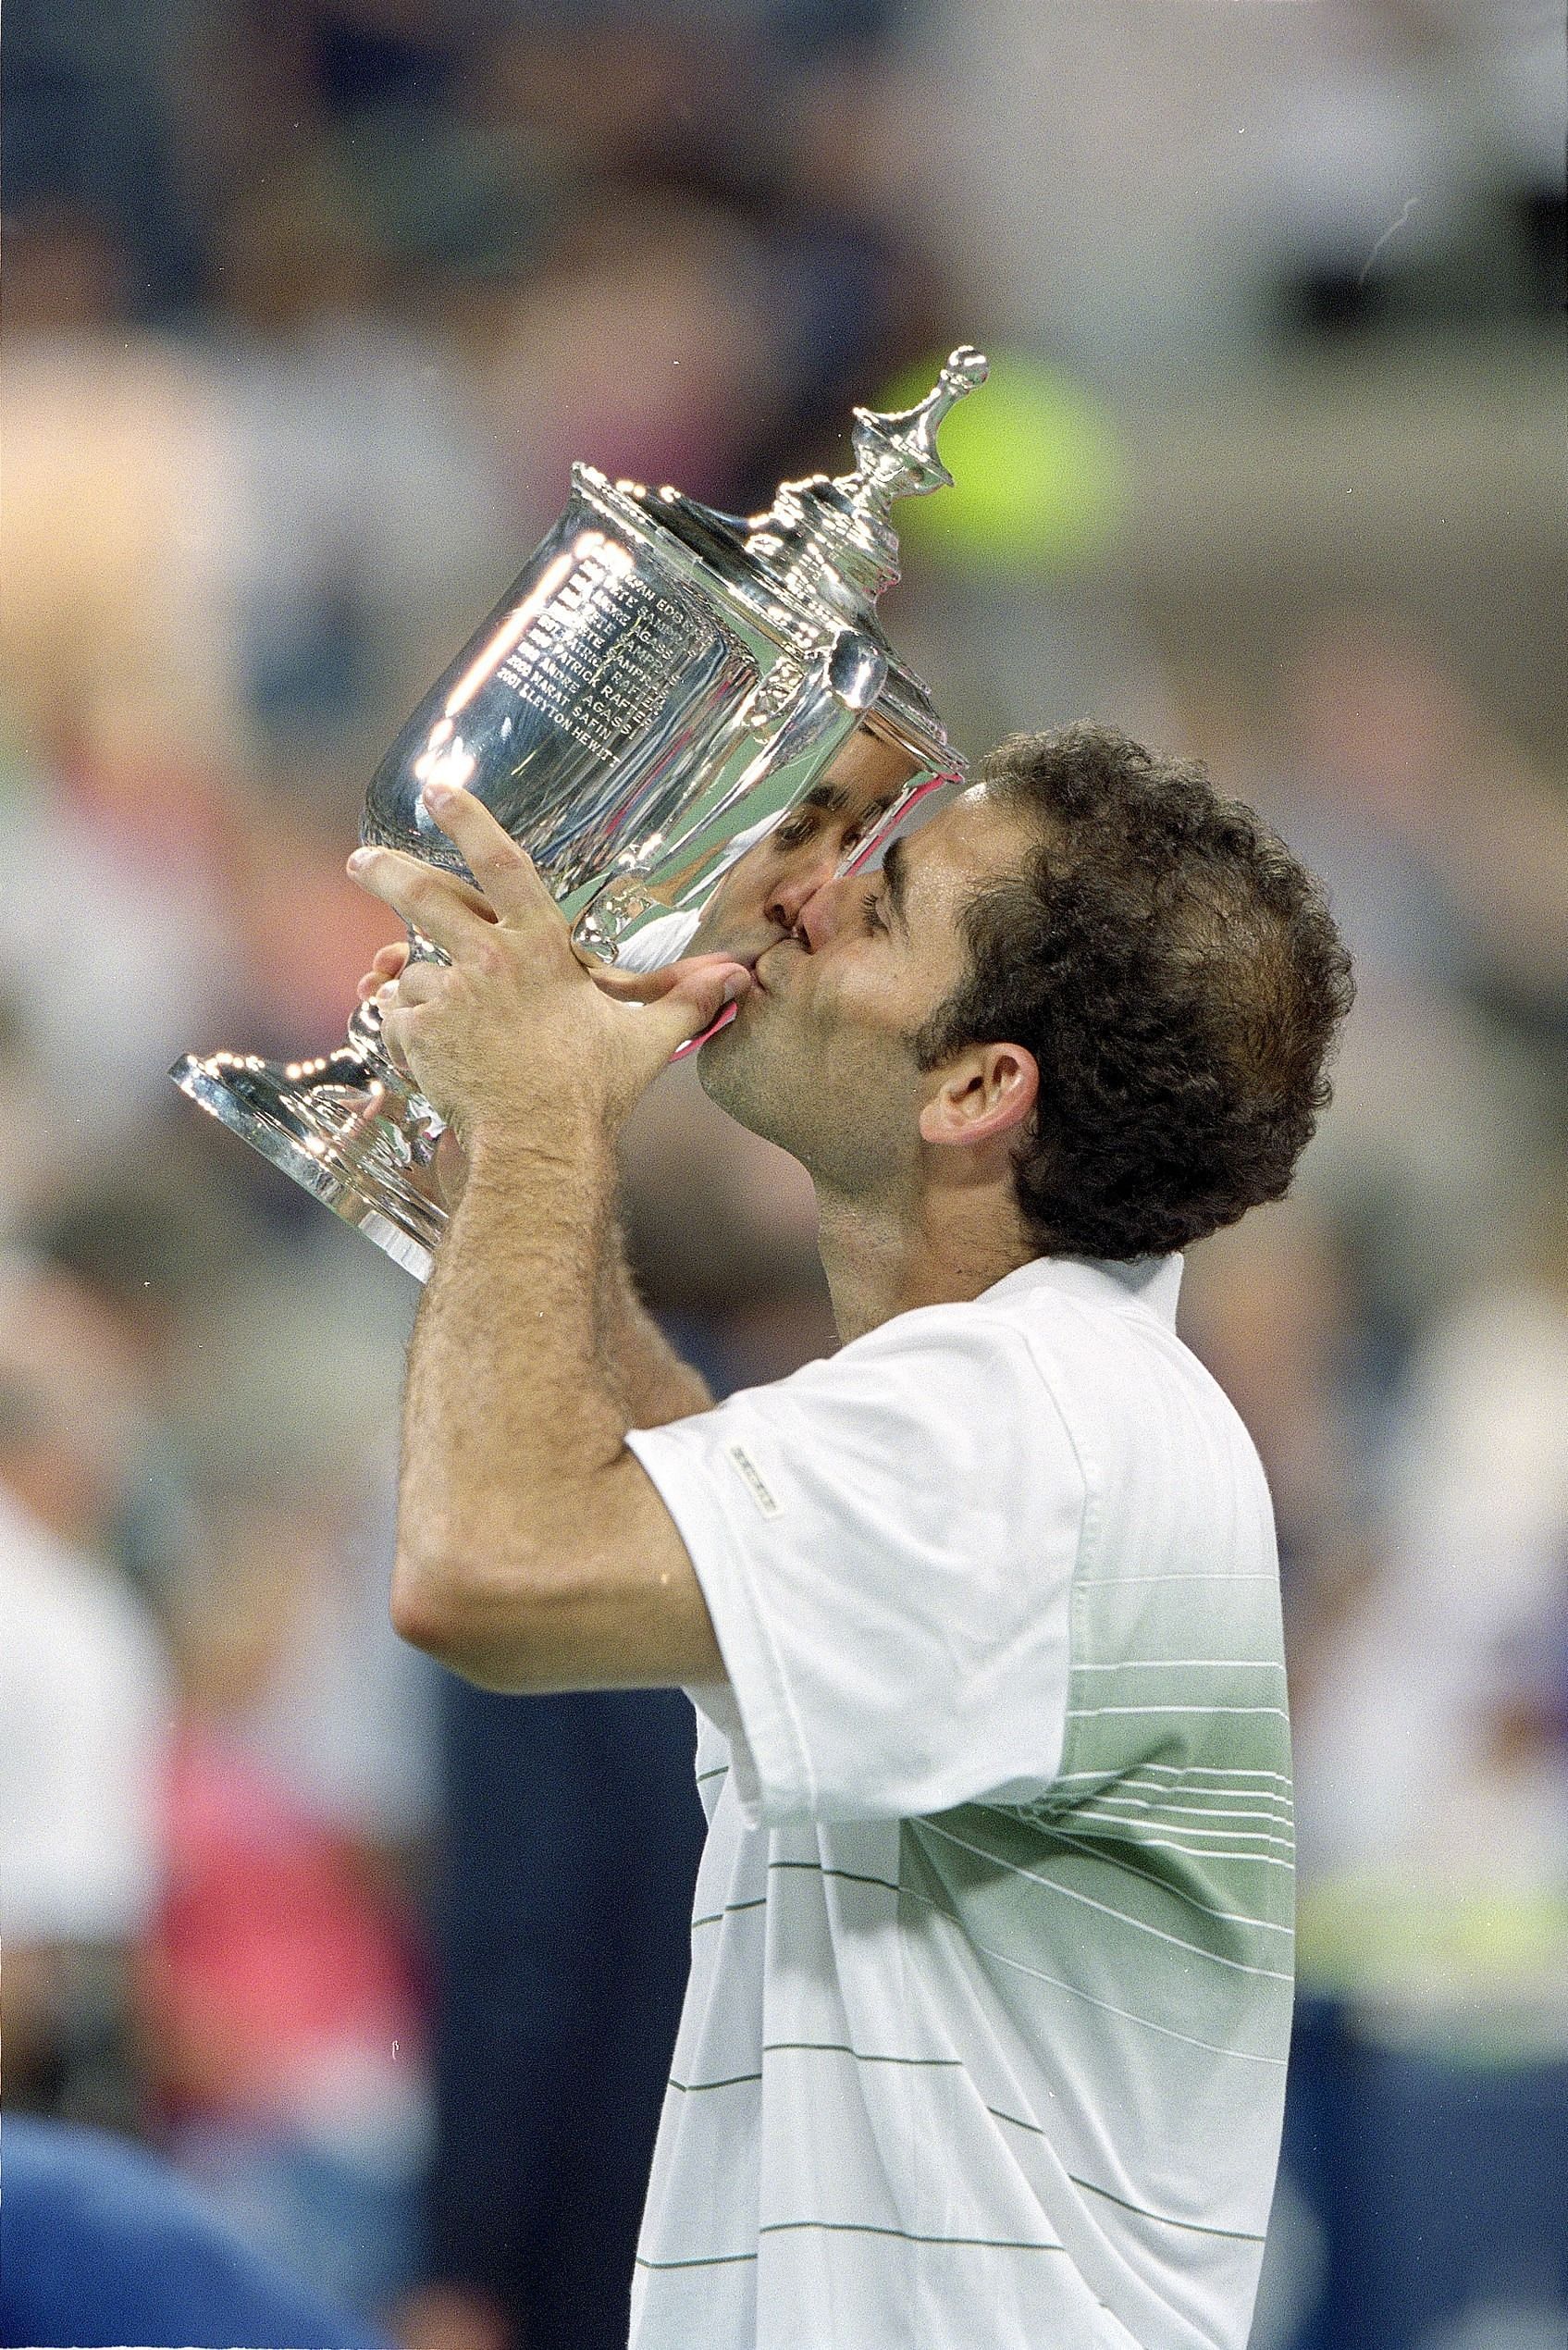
751, 1478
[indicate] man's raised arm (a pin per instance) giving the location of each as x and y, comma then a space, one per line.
533, 1552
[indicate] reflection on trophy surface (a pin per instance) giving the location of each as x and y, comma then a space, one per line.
850, 808
660, 696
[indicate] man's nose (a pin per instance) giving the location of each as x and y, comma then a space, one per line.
802, 879
823, 912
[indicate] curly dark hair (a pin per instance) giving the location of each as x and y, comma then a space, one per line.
1177, 975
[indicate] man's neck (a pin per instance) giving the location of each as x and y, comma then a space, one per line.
883, 1259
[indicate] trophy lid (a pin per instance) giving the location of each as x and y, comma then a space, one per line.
826, 550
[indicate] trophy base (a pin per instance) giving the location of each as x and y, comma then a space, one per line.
360, 1144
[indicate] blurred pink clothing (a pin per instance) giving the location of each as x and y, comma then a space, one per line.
281, 1981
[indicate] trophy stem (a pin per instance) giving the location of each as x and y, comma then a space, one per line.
347, 1127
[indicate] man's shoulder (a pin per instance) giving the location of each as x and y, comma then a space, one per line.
1095, 1364
924, 1341
1103, 1344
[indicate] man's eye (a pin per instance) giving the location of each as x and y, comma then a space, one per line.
854, 837
847, 849
794, 832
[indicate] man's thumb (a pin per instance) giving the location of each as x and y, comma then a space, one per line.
690, 1007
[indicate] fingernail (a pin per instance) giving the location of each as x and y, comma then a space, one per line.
438, 795
359, 860
736, 985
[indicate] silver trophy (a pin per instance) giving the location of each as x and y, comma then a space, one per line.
658, 686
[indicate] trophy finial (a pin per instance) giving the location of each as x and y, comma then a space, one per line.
896, 453
833, 542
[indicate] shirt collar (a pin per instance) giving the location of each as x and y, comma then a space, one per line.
1151, 1283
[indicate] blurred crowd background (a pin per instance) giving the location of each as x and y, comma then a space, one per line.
308, 307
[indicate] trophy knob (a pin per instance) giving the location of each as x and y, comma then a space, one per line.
896, 453
832, 542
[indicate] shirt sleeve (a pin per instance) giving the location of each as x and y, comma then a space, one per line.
886, 1544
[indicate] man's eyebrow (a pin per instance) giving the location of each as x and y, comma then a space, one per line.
895, 873
828, 798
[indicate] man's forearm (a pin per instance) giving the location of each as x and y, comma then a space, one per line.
509, 1412
513, 1487
650, 1378
533, 1550
654, 1383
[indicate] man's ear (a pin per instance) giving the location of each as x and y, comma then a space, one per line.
987, 1092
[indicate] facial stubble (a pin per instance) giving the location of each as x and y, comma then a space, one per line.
841, 1125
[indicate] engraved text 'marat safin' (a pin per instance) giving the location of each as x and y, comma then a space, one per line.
599, 658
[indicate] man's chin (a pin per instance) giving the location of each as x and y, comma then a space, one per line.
743, 1070
723, 1056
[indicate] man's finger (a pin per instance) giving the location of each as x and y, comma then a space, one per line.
394, 1037
420, 984
506, 873
387, 964
438, 904
646, 987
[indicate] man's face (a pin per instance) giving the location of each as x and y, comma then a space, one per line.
820, 1057
759, 899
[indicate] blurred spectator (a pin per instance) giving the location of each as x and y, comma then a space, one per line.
1447, 864
650, 344
283, 1996
121, 716
84, 1708
113, 974
1447, 857
93, 99
37, 1156
1432, 1775
1317, 168
346, 1717
1434, 1751
99, 2240
119, 506
562, 1904
1274, 1309
141, 1242
365, 514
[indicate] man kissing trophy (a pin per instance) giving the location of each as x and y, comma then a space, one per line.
656, 691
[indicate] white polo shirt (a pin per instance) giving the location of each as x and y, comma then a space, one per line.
984, 2043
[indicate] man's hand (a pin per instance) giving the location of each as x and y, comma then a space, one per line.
513, 1037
